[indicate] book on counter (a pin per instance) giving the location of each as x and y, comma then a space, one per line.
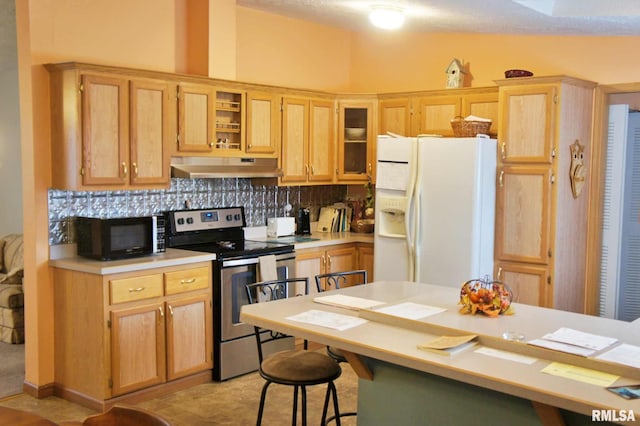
449, 345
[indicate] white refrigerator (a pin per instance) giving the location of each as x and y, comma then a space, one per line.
435, 209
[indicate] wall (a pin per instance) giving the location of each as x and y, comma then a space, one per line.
10, 158
406, 62
150, 34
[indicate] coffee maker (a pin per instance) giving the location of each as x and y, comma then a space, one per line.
304, 221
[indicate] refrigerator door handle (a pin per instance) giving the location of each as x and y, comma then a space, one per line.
410, 216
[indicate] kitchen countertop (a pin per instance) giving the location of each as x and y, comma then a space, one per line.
321, 239
395, 342
172, 257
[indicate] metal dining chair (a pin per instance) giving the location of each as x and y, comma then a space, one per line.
334, 281
297, 368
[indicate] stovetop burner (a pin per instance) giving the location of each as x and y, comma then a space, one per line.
218, 231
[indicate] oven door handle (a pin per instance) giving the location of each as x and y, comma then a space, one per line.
250, 261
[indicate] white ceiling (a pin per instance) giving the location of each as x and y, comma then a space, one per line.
559, 17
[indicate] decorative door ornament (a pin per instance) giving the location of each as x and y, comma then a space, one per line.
577, 170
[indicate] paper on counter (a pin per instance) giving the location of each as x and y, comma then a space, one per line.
580, 374
579, 338
623, 354
411, 310
574, 341
562, 347
349, 302
510, 356
328, 319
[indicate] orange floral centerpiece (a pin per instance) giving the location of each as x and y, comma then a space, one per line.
492, 298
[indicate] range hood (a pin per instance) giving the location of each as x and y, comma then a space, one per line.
224, 167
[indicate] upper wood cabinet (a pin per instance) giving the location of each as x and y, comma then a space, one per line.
430, 112
196, 118
527, 124
395, 116
263, 123
110, 131
435, 110
210, 120
541, 225
356, 140
308, 140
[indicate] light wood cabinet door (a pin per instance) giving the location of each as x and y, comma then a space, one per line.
105, 130
189, 336
151, 131
529, 284
321, 140
310, 263
263, 123
395, 117
365, 260
527, 116
436, 112
483, 105
295, 139
342, 259
196, 115
523, 214
137, 348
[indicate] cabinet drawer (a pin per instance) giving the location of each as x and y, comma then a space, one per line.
135, 288
186, 280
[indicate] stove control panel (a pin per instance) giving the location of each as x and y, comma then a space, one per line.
205, 219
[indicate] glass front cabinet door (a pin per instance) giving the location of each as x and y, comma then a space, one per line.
356, 148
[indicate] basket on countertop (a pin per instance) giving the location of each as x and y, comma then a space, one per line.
465, 128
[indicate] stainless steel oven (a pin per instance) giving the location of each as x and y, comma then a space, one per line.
220, 231
237, 347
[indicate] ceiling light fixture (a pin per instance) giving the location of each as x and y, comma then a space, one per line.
387, 17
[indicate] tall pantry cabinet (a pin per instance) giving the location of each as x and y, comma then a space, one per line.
541, 224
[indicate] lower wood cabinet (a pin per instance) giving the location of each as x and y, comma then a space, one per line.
116, 334
365, 259
335, 258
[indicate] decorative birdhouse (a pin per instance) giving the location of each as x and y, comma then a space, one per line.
455, 75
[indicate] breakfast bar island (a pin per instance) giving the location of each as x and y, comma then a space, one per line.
497, 381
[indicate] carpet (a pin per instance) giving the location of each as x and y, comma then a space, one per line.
11, 369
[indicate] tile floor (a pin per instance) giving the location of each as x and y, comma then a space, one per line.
234, 402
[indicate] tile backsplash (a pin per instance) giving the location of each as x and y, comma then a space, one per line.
259, 201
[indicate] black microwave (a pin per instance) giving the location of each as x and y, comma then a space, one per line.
119, 238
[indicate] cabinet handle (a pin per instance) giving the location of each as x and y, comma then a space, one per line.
501, 178
503, 150
170, 310
324, 261
312, 170
369, 167
161, 311
329, 262
499, 273
250, 145
135, 168
124, 169
188, 281
211, 144
136, 290
306, 169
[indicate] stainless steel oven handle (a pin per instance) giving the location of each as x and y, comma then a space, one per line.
253, 261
